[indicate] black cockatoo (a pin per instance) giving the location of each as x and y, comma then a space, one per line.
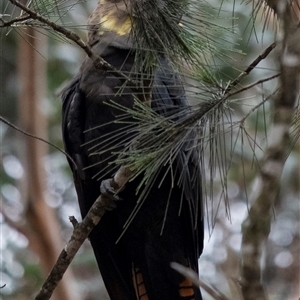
168, 227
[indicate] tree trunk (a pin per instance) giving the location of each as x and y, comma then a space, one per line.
39, 216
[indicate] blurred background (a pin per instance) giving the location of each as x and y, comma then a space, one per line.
36, 187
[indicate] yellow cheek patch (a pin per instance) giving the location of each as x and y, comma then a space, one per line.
110, 23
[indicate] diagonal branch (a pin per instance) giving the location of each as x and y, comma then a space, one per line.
246, 72
247, 87
81, 232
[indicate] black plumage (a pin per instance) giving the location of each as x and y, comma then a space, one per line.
169, 225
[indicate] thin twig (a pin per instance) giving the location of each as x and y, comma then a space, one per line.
247, 87
10, 23
37, 138
250, 67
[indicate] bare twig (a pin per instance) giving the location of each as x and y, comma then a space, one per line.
74, 221
250, 67
247, 87
37, 138
256, 227
11, 23
81, 232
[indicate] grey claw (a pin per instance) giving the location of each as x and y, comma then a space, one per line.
107, 190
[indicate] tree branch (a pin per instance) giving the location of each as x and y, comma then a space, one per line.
81, 232
97, 60
256, 227
247, 87
250, 67
10, 23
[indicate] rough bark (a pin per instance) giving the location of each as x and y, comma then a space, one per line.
82, 231
256, 227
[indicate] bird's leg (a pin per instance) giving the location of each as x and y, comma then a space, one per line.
109, 189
